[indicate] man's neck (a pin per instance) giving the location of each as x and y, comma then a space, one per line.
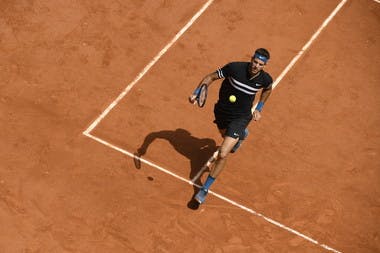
254, 75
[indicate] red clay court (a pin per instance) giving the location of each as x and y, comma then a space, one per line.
85, 84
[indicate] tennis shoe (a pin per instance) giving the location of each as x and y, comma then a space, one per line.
238, 144
201, 195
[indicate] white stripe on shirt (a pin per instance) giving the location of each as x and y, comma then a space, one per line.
242, 87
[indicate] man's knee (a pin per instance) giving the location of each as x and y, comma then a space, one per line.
226, 147
223, 153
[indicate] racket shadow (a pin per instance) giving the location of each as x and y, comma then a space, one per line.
197, 150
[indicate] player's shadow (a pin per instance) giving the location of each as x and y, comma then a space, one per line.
197, 150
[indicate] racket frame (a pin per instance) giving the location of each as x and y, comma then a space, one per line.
202, 95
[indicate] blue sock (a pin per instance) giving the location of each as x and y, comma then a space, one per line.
208, 182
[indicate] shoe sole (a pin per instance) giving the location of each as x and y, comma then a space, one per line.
199, 202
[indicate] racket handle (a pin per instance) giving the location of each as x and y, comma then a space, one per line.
196, 91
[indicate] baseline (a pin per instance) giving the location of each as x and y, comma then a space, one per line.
234, 203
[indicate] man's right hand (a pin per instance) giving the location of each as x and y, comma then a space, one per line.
192, 98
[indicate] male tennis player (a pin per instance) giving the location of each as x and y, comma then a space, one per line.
233, 110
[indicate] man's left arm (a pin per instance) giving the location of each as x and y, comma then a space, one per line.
263, 98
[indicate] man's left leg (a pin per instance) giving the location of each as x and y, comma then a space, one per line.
238, 144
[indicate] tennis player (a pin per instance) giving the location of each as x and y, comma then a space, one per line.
233, 110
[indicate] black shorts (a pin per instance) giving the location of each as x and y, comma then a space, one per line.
234, 124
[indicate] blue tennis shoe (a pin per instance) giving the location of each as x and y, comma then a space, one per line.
201, 195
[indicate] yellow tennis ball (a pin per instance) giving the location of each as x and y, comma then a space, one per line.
232, 99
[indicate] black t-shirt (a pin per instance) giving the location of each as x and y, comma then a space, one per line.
238, 82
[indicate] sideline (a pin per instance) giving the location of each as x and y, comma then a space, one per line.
148, 67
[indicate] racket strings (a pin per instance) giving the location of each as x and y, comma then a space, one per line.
202, 95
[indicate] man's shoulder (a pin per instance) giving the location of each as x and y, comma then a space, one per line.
267, 77
237, 65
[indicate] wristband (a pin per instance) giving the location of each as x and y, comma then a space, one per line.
260, 106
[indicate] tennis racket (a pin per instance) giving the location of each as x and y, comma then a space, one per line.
201, 95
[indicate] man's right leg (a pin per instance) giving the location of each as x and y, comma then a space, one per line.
226, 147
227, 144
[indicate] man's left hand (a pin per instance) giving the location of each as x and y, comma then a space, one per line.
256, 115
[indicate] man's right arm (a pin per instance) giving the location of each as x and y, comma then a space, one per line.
208, 79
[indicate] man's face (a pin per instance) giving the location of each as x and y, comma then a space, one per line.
256, 65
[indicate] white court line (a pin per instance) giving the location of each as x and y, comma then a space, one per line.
276, 223
148, 67
307, 45
155, 59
